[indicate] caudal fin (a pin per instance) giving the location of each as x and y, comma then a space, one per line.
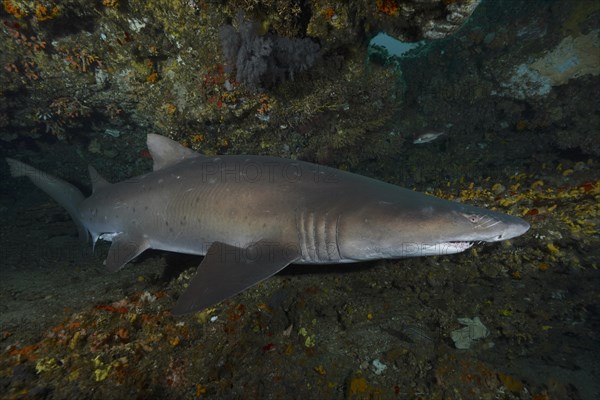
63, 192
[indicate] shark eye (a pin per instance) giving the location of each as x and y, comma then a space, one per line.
473, 218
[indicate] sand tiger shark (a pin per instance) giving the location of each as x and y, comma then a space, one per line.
251, 216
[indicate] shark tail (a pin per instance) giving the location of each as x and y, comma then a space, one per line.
63, 192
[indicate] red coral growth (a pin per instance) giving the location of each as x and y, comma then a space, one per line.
389, 7
26, 352
268, 348
236, 313
587, 186
118, 310
175, 373
214, 77
122, 334
44, 13
13, 10
146, 154
328, 12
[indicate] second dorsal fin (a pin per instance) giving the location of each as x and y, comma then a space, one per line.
98, 182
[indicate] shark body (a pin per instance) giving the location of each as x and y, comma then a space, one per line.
251, 216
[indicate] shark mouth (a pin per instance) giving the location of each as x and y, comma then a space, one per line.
452, 247
460, 246
437, 249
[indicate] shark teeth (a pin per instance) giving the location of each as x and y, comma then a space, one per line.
460, 245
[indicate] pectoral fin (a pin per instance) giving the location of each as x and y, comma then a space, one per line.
123, 249
227, 270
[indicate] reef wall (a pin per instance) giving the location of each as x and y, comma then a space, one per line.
105, 73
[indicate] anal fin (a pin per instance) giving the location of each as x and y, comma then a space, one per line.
227, 270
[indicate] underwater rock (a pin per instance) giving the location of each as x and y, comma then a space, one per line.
416, 20
571, 58
378, 367
473, 330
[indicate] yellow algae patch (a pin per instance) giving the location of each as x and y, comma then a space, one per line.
552, 248
101, 373
511, 383
319, 369
45, 365
358, 385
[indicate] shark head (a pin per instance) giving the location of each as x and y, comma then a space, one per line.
429, 226
480, 225
459, 228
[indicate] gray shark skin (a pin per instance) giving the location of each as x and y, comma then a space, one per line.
251, 216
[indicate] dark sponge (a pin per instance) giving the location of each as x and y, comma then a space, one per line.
263, 61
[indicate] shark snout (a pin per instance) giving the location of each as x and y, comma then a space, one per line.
510, 228
520, 227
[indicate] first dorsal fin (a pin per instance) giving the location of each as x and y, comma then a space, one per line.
98, 182
166, 152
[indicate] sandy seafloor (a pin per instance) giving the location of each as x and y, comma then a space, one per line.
381, 330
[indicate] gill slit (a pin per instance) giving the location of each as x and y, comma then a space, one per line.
337, 239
